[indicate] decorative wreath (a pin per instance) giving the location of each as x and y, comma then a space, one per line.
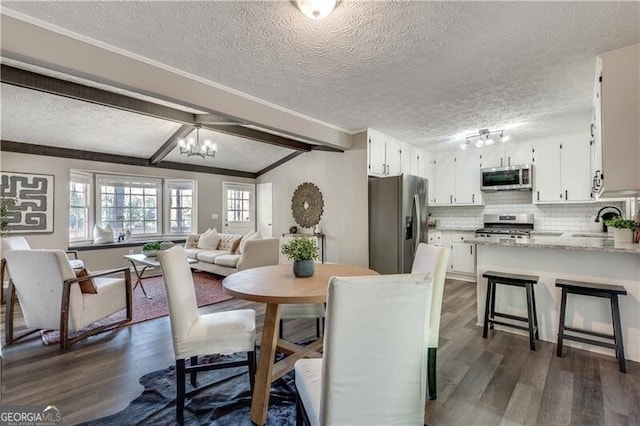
307, 205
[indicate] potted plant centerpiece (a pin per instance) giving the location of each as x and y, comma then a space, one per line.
151, 249
623, 229
303, 251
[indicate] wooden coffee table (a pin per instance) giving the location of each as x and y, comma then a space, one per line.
146, 262
275, 285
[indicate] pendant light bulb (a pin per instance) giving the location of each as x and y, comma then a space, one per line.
316, 9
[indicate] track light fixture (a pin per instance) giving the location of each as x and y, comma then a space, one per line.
484, 138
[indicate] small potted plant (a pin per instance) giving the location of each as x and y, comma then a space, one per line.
151, 249
623, 229
303, 251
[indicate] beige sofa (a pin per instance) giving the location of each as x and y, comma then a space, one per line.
222, 261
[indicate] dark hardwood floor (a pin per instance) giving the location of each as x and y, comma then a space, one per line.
480, 381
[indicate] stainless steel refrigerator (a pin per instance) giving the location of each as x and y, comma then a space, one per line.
397, 221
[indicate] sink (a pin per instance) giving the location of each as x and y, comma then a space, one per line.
592, 235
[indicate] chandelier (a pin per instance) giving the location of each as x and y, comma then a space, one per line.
203, 148
485, 137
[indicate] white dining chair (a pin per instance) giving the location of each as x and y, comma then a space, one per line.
196, 334
373, 369
434, 260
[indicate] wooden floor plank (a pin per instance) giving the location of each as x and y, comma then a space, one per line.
480, 381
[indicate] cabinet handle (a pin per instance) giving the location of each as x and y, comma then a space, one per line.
501, 160
508, 161
538, 195
450, 199
561, 195
471, 249
566, 195
473, 198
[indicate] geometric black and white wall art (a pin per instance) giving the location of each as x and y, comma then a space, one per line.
29, 199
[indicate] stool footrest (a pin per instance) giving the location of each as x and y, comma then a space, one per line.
590, 341
592, 333
513, 317
506, 324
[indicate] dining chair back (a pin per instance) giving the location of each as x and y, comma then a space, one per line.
196, 334
373, 369
434, 260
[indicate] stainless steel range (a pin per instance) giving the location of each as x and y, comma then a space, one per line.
506, 226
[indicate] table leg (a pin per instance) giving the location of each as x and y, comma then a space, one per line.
139, 279
262, 388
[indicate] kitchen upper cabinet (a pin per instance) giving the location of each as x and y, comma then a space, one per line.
507, 154
387, 156
419, 162
376, 152
458, 179
616, 129
445, 177
433, 180
561, 170
467, 178
575, 174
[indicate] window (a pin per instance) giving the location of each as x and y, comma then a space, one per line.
181, 206
79, 201
238, 205
145, 206
129, 203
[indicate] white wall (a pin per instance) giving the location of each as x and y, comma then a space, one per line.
342, 179
209, 198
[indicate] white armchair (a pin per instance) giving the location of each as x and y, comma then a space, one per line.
434, 260
373, 369
195, 334
51, 299
21, 243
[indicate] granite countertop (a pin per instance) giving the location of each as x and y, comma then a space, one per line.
452, 229
567, 241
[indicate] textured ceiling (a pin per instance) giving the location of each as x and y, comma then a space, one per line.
40, 118
419, 71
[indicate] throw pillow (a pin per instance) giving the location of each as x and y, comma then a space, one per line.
209, 240
86, 286
102, 235
249, 236
229, 242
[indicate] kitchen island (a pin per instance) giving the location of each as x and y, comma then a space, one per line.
583, 259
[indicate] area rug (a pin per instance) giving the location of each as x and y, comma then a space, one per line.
223, 397
208, 291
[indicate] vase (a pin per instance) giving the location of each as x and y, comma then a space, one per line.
622, 235
304, 268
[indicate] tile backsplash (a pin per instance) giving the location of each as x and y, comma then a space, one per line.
548, 217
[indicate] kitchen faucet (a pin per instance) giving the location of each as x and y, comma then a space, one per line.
606, 216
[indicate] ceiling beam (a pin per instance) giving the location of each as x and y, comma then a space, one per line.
257, 135
53, 151
42, 83
280, 162
215, 119
170, 144
326, 148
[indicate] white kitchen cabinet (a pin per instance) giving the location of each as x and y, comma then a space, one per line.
376, 152
463, 258
562, 168
616, 131
393, 155
434, 237
419, 162
445, 176
432, 178
458, 179
506, 154
467, 178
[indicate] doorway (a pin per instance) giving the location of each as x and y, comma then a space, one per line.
238, 206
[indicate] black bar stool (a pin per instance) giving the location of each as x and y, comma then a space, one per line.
490, 314
608, 291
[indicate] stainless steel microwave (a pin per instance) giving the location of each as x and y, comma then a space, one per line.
511, 178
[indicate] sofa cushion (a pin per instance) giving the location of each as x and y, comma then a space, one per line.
228, 241
209, 255
229, 260
209, 240
192, 252
249, 236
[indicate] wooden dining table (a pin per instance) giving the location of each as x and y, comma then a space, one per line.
275, 285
